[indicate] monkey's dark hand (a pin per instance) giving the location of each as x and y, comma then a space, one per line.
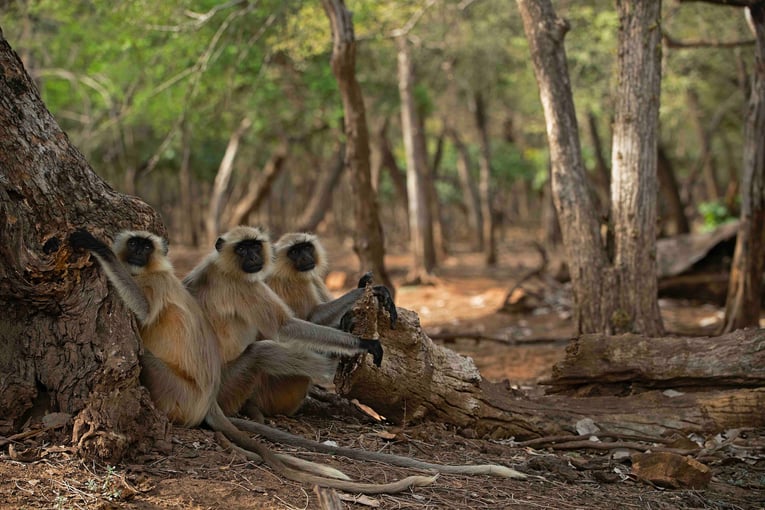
366, 279
373, 347
384, 298
383, 295
84, 240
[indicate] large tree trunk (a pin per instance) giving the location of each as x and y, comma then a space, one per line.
633, 167
592, 284
368, 239
64, 338
222, 180
420, 220
260, 188
419, 380
743, 304
484, 182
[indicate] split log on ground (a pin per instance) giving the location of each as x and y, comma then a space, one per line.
733, 360
421, 380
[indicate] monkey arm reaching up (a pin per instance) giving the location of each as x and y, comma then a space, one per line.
300, 265
229, 285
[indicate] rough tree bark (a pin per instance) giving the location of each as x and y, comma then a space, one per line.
419, 380
742, 307
368, 242
633, 166
590, 274
259, 188
420, 220
63, 337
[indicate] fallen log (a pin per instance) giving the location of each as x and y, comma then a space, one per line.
733, 360
420, 380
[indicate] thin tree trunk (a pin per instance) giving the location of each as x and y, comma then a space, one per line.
397, 176
321, 199
742, 307
222, 180
469, 190
705, 164
633, 166
440, 248
185, 225
420, 221
671, 193
389, 164
590, 274
64, 338
484, 182
259, 189
369, 241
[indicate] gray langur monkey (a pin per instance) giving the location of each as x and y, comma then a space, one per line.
229, 284
300, 265
181, 364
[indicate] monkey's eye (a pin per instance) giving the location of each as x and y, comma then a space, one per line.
246, 247
300, 249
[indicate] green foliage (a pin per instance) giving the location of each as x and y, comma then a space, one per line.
714, 213
123, 77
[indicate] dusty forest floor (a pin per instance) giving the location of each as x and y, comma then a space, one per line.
194, 472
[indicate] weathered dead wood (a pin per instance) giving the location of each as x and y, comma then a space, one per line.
735, 360
420, 380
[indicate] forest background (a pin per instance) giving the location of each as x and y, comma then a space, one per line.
225, 113
162, 97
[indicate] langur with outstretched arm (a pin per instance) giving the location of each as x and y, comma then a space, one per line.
229, 284
181, 364
300, 266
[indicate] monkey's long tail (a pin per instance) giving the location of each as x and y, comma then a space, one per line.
280, 436
218, 421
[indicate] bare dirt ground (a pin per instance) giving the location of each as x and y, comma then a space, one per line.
195, 472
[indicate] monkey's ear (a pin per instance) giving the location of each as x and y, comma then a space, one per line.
219, 244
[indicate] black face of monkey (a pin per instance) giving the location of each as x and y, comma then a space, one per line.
138, 251
303, 256
250, 253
